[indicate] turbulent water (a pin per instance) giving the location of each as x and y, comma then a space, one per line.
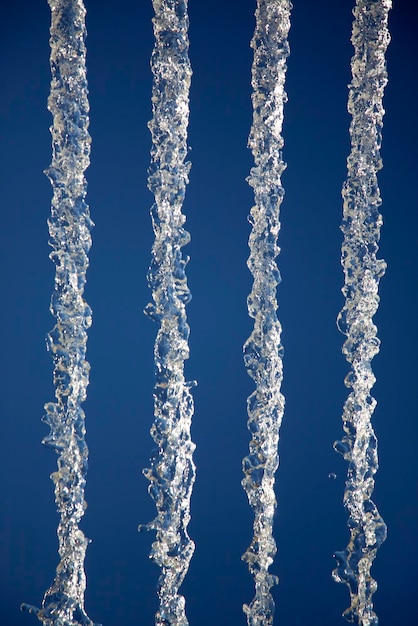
361, 227
69, 228
172, 469
263, 350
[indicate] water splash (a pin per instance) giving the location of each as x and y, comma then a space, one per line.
263, 350
69, 229
361, 227
172, 469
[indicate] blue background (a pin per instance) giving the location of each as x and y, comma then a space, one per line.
311, 521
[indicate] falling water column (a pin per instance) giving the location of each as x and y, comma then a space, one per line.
361, 227
172, 469
69, 228
263, 350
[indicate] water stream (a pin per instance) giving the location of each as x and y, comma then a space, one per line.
172, 470
263, 350
362, 270
69, 230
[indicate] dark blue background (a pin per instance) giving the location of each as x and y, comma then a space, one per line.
311, 521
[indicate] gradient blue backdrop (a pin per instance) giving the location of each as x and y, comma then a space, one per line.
311, 521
